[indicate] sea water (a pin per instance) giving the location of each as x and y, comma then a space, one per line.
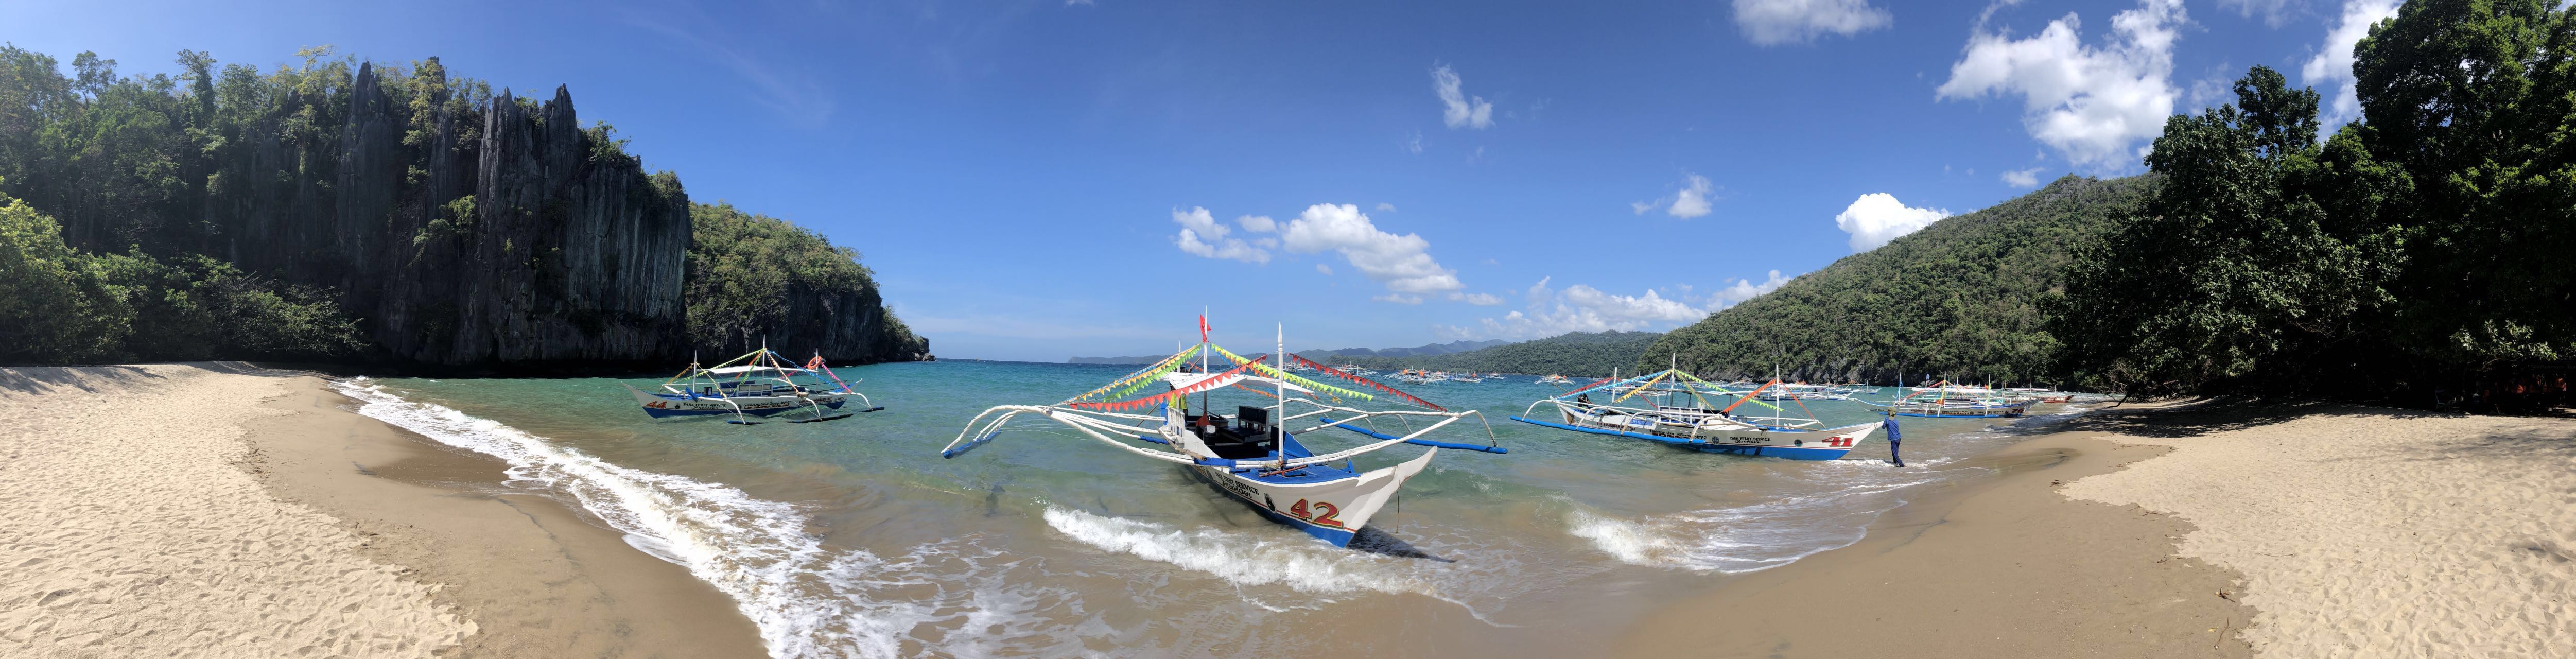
854, 538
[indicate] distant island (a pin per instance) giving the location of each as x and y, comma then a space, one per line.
363, 212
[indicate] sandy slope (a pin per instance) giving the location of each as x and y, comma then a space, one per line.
126, 529
2372, 533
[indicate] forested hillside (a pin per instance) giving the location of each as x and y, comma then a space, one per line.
1572, 354
395, 213
1958, 299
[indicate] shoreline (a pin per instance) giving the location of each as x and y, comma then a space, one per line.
235, 510
542, 577
2001, 565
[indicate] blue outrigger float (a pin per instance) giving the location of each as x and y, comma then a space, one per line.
1251, 455
1674, 407
756, 384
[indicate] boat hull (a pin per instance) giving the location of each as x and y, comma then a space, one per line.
670, 405
1792, 444
1327, 503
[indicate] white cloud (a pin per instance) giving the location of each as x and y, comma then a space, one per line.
2090, 104
1691, 201
1579, 308
1201, 235
1775, 22
2021, 178
1398, 299
1744, 289
1478, 299
1414, 145
2272, 11
1877, 217
1326, 269
1384, 207
1069, 3
2332, 65
1257, 223
1458, 109
1402, 263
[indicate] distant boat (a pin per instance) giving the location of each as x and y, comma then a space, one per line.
1555, 379
758, 383
1955, 403
1251, 455
1674, 407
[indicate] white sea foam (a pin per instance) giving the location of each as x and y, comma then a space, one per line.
807, 600
1301, 565
1760, 536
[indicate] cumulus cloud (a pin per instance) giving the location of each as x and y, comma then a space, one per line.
1257, 223
1398, 299
2272, 11
1478, 299
1384, 207
1775, 22
1458, 109
2332, 66
1402, 263
2091, 104
1744, 289
2022, 178
1691, 201
1201, 235
1578, 308
1877, 217
1326, 269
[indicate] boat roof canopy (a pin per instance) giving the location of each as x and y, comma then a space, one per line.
736, 370
1185, 380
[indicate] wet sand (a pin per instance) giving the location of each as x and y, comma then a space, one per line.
2194, 530
2001, 567
407, 548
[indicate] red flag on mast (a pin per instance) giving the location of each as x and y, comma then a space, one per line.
1203, 328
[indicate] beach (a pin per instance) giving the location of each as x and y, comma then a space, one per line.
2191, 530
221, 510
217, 509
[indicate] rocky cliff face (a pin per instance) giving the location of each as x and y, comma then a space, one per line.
462, 228
518, 242
498, 234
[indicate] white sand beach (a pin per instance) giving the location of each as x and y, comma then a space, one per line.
2375, 533
131, 531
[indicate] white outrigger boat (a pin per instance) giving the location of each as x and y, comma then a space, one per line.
1555, 379
1252, 455
1955, 403
1689, 415
755, 384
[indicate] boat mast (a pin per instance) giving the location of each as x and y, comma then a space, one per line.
1278, 429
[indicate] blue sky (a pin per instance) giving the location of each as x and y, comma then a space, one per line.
1037, 180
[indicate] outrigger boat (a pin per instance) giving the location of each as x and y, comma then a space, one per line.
1252, 455
758, 383
1693, 418
1955, 403
1555, 379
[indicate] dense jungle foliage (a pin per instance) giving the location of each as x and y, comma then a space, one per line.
65, 306
743, 269
1573, 354
1958, 299
2418, 255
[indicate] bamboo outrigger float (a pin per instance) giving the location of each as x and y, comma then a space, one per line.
1252, 455
1674, 407
758, 383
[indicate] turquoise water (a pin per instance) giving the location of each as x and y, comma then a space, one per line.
854, 538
